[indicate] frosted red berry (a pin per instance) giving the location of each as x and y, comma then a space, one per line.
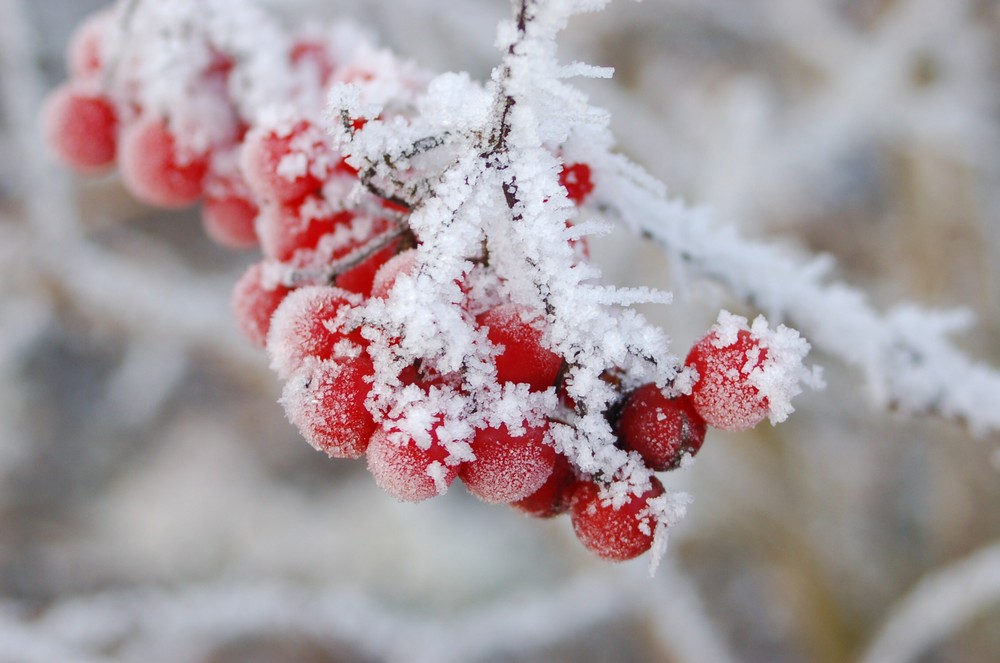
361, 277
326, 402
405, 470
723, 394
312, 54
385, 277
81, 128
155, 170
662, 430
552, 497
614, 534
281, 165
305, 325
523, 359
575, 178
285, 228
254, 301
84, 57
229, 218
508, 468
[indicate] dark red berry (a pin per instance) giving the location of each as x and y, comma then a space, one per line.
523, 358
575, 178
553, 497
660, 429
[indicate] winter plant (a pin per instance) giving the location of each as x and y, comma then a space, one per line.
425, 291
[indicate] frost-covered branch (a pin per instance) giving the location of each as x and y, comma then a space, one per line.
193, 622
940, 604
906, 355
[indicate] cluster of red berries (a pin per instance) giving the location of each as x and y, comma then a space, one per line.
328, 253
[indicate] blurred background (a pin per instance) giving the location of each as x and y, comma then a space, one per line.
156, 506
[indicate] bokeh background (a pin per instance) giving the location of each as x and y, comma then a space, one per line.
156, 506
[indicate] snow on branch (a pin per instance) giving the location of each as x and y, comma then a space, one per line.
906, 354
941, 603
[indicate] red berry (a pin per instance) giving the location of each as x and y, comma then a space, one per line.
508, 468
405, 470
523, 358
155, 171
385, 277
723, 395
81, 128
285, 228
83, 56
575, 178
230, 221
254, 302
228, 213
661, 429
283, 165
613, 534
361, 277
313, 54
553, 497
326, 402
301, 327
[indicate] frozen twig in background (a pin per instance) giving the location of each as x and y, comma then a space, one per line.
940, 604
190, 623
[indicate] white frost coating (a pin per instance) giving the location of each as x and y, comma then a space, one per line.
667, 510
293, 166
160, 53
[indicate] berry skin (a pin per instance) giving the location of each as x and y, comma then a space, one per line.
385, 277
405, 470
575, 178
508, 468
285, 228
723, 395
81, 128
524, 358
553, 497
153, 169
300, 327
280, 166
229, 221
228, 212
613, 534
83, 56
254, 302
326, 402
361, 277
660, 429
